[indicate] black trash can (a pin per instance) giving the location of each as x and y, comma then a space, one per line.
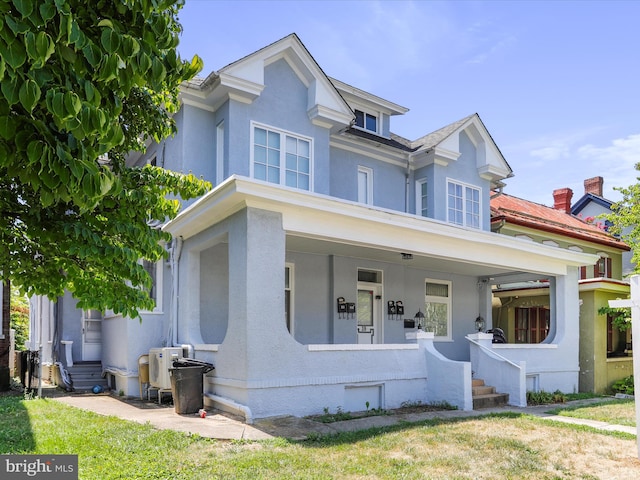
186, 384
186, 388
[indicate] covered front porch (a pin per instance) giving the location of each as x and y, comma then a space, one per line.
288, 293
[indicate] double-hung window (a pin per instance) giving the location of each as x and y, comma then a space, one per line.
463, 204
602, 269
281, 157
421, 197
437, 308
365, 185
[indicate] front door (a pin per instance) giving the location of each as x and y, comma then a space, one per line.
369, 313
91, 336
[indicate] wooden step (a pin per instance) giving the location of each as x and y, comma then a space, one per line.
477, 382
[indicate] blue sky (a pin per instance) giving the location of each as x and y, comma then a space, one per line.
555, 82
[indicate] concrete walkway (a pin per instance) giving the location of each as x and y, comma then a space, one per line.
226, 427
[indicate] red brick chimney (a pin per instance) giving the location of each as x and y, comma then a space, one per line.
562, 199
593, 186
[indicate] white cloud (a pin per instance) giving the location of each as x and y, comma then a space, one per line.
621, 154
553, 152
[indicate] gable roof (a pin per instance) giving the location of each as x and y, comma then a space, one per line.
243, 80
443, 146
432, 139
588, 198
540, 217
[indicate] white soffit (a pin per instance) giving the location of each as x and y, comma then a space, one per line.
322, 217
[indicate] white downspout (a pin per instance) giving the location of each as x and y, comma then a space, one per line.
176, 250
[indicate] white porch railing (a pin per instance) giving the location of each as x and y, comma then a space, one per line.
498, 371
447, 380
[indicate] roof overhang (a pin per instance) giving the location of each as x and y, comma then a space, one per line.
361, 229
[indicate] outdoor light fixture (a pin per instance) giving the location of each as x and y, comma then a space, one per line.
419, 319
479, 323
407, 256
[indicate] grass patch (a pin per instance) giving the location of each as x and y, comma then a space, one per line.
491, 447
406, 407
618, 412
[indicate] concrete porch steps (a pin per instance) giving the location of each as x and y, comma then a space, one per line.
85, 375
485, 396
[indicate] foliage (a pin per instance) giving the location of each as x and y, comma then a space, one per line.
625, 219
620, 317
624, 385
82, 85
545, 398
19, 318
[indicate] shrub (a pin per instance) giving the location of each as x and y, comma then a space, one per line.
544, 398
624, 385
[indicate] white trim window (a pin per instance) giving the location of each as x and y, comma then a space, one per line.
154, 269
463, 204
365, 185
437, 308
281, 157
421, 198
367, 121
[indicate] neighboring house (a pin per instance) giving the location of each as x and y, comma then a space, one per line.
326, 235
523, 311
591, 205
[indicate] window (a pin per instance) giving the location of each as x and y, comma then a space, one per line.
366, 121
437, 308
421, 197
288, 296
365, 185
532, 324
369, 276
463, 204
281, 158
616, 339
602, 269
154, 269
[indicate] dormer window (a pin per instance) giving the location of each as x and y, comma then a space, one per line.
366, 121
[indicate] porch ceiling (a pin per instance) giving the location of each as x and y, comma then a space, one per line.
325, 247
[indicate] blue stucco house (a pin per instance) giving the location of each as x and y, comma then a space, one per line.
326, 237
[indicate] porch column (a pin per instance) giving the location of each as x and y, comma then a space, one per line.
484, 302
256, 335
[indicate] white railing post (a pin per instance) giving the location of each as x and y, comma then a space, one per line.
498, 371
447, 380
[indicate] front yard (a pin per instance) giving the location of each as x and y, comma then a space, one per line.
492, 447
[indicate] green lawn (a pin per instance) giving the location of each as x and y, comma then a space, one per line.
619, 412
491, 447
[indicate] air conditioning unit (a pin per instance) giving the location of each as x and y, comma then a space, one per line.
160, 361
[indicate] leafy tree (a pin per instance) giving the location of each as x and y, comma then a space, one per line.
19, 317
625, 219
82, 84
